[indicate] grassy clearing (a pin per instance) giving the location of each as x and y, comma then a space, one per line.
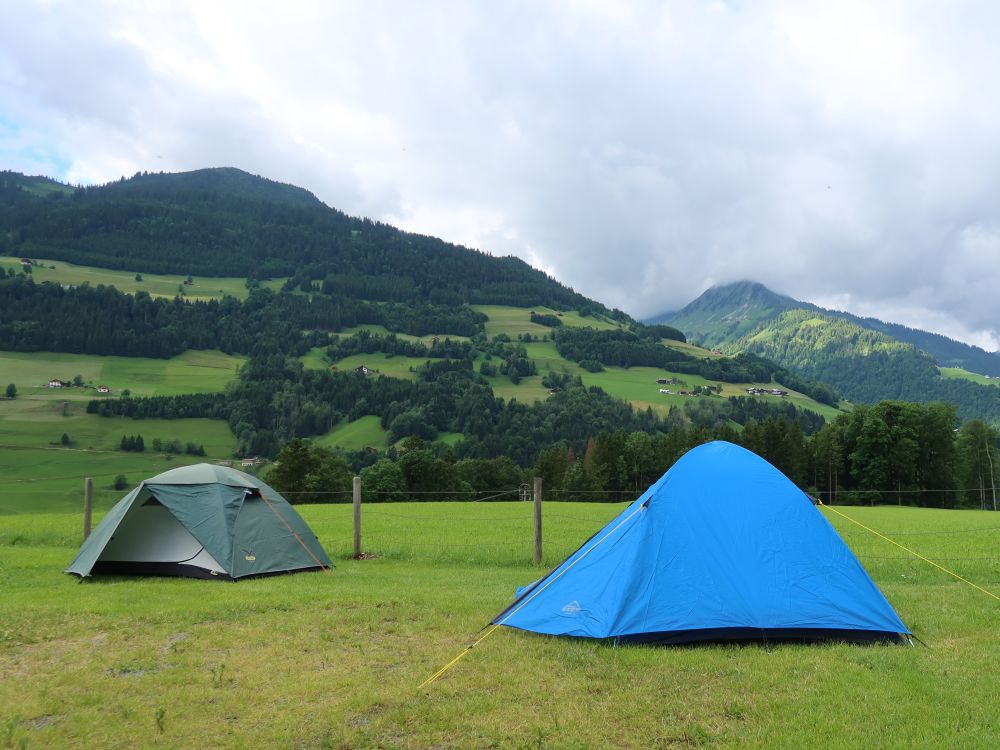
352, 436
157, 285
383, 331
205, 371
137, 663
957, 373
517, 320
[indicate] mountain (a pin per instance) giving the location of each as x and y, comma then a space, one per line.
226, 222
724, 314
865, 359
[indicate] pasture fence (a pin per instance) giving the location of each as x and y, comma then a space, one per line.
504, 526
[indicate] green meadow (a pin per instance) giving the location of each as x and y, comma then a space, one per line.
157, 285
203, 371
962, 374
334, 661
515, 321
363, 432
48, 474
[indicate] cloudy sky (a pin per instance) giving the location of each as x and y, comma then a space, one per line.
846, 153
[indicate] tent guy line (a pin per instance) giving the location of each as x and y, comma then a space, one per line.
533, 594
915, 554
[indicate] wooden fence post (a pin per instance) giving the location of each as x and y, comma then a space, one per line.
538, 520
357, 517
88, 505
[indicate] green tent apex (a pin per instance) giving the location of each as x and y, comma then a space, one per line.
201, 521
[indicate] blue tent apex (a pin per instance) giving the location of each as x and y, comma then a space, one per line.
722, 547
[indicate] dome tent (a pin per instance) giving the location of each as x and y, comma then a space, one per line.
722, 547
202, 521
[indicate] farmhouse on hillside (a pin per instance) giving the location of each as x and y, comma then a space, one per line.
57, 383
103, 389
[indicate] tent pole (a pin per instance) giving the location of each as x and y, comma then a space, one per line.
88, 505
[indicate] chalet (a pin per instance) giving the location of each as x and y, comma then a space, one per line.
553, 391
26, 261
363, 370
755, 391
661, 381
57, 383
103, 389
664, 390
776, 392
252, 461
435, 341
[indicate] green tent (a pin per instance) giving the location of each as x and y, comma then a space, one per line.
203, 521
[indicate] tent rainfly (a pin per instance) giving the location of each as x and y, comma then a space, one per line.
202, 521
722, 547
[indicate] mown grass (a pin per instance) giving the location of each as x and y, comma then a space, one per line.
333, 661
157, 285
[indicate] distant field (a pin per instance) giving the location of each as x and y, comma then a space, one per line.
383, 331
181, 663
959, 374
517, 320
383, 364
191, 372
157, 285
352, 436
50, 479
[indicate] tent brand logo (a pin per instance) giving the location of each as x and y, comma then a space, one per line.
572, 608
250, 558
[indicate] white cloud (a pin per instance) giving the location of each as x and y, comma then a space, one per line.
639, 152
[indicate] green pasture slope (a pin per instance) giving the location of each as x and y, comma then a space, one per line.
157, 285
962, 374
635, 384
334, 661
206, 371
47, 475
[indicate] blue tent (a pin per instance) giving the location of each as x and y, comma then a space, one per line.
722, 547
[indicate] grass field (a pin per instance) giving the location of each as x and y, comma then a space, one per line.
352, 436
204, 371
961, 374
517, 320
47, 475
157, 285
333, 661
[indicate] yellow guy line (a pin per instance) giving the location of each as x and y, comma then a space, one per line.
534, 593
907, 549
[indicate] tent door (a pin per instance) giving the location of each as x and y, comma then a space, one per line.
150, 539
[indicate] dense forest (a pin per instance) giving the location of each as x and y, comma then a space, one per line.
224, 222
891, 452
103, 320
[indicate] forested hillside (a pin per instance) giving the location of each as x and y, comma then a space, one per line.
722, 315
864, 365
224, 222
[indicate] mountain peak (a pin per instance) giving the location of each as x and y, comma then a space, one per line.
727, 311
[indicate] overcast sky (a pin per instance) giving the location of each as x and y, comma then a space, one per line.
845, 153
